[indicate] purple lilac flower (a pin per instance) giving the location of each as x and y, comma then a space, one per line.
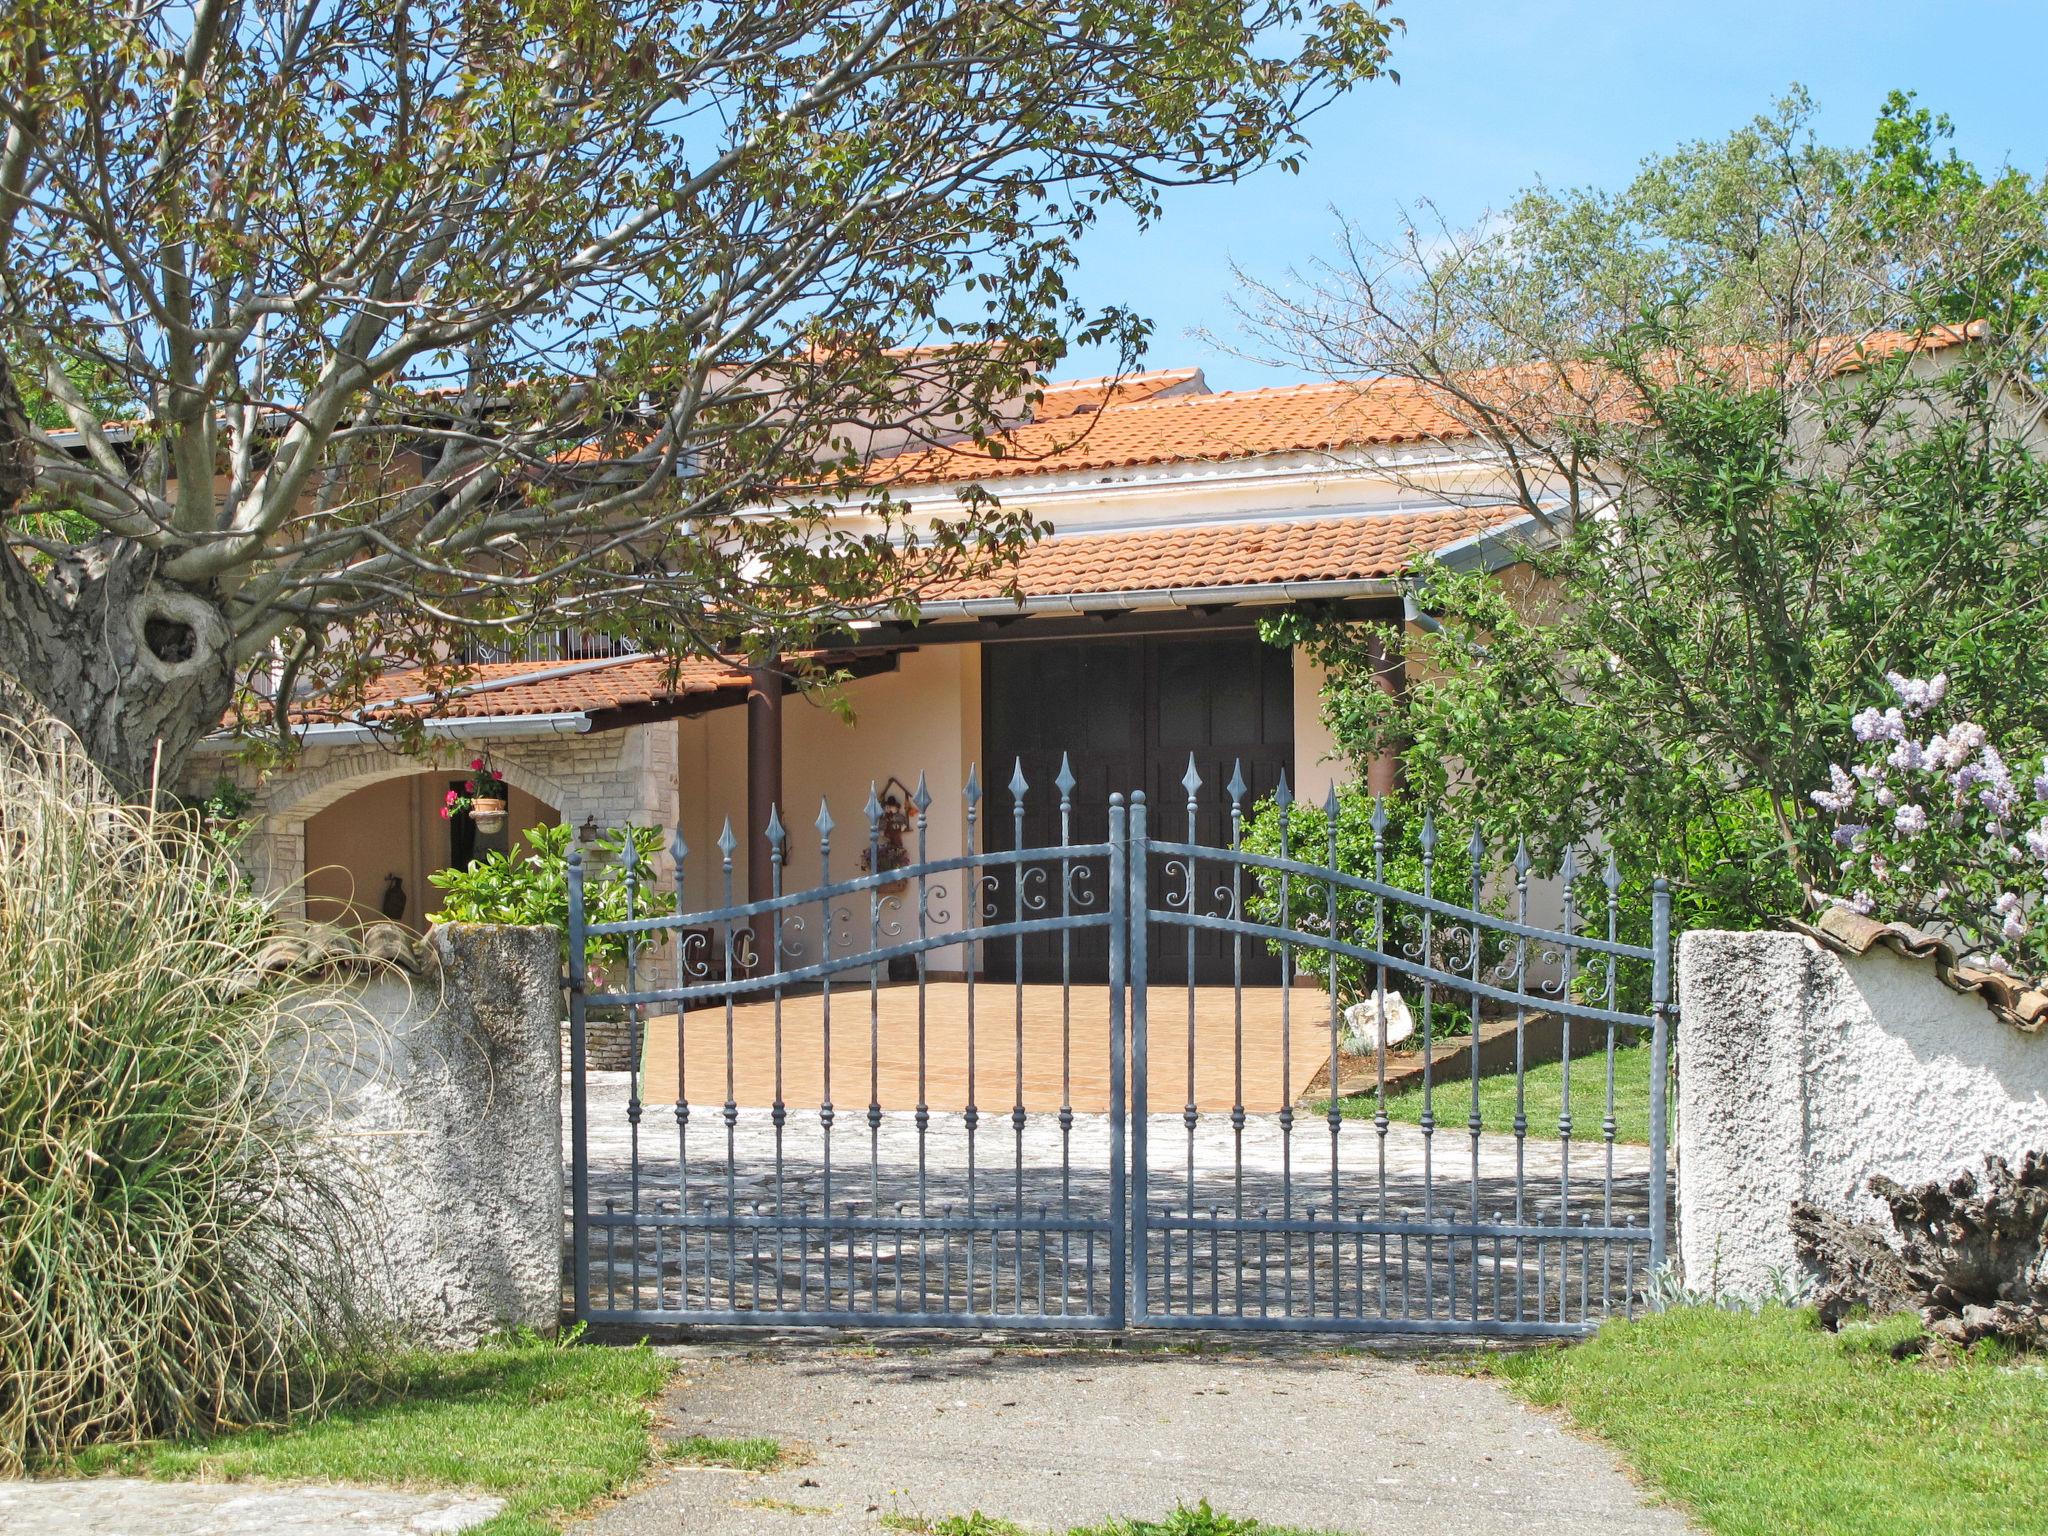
2041, 781
1847, 833
1840, 795
1909, 820
1997, 963
2037, 841
1919, 695
1909, 756
1874, 724
1962, 742
1863, 902
1999, 795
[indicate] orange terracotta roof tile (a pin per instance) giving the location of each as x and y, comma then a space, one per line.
1164, 428
1193, 428
1077, 397
1232, 554
541, 688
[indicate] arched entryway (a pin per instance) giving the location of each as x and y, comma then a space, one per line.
370, 853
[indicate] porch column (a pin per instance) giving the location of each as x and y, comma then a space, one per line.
1383, 776
764, 788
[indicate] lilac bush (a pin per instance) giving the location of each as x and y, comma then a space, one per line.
1939, 829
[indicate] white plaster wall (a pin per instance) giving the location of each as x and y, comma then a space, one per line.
439, 1120
1802, 1073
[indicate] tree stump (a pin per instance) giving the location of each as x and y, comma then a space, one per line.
1971, 1255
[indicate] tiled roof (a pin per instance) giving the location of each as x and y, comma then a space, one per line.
502, 688
545, 689
1231, 554
1190, 427
1077, 397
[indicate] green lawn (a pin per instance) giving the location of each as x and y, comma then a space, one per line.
548, 1427
1767, 1424
1543, 1092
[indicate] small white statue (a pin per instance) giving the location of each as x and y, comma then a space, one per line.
1381, 1020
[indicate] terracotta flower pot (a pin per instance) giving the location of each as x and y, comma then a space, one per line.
488, 813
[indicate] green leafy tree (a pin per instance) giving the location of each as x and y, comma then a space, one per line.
1749, 500
1391, 850
435, 323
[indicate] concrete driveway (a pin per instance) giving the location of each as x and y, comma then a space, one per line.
1055, 1438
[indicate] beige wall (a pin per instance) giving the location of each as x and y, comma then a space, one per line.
1316, 763
923, 717
393, 826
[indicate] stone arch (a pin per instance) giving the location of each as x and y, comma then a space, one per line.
296, 798
275, 854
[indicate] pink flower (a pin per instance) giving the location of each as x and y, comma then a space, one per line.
477, 763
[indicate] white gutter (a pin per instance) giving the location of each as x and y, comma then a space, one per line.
1155, 598
349, 732
1490, 548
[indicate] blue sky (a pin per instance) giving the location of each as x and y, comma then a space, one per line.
1494, 94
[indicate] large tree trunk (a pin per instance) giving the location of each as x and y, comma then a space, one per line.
139, 668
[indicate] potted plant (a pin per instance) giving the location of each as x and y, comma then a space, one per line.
482, 798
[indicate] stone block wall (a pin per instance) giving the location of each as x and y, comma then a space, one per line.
613, 778
1802, 1072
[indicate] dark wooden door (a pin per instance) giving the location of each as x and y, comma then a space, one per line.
1127, 713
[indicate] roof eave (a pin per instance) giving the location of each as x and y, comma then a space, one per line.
1155, 598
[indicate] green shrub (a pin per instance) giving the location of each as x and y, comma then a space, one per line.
530, 886
1359, 917
169, 1248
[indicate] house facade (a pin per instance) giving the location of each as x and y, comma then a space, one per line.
1124, 643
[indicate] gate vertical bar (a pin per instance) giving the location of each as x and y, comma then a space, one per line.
1120, 912
1138, 964
579, 1131
1660, 1050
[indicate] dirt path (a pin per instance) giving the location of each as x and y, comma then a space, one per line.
1059, 1438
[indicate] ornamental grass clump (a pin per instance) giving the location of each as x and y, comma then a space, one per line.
171, 1238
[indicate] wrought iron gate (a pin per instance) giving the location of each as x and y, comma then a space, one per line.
1009, 1157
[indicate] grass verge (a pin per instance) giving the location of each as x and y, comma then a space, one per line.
1543, 1096
1201, 1520
1766, 1423
752, 1455
548, 1427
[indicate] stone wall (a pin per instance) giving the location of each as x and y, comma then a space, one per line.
438, 1090
1802, 1072
612, 777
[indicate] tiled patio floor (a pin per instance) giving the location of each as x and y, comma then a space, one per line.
1061, 1044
